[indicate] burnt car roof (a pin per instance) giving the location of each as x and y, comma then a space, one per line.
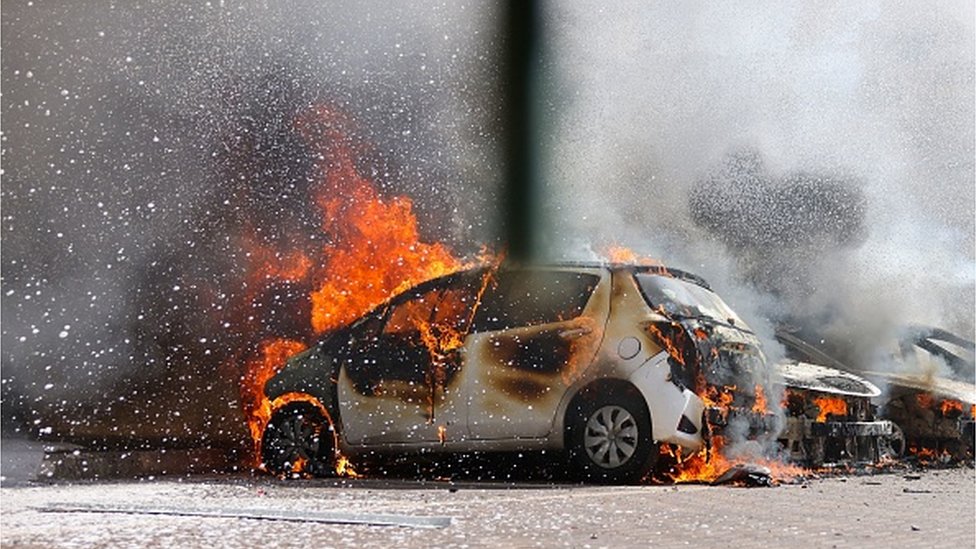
612, 266
662, 270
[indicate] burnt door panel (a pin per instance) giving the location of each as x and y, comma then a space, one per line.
399, 387
536, 333
383, 389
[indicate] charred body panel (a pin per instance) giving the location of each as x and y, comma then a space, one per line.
631, 352
830, 416
493, 367
517, 370
932, 415
312, 372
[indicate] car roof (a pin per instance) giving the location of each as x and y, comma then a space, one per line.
661, 270
657, 269
564, 266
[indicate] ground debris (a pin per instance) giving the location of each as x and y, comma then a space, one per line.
745, 474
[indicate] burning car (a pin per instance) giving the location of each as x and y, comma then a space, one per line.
605, 362
930, 398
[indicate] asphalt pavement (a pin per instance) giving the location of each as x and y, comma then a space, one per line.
934, 508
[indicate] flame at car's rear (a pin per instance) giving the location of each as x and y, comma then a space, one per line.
370, 249
256, 406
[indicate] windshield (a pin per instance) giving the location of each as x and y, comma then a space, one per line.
684, 299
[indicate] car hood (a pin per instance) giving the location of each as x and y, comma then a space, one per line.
803, 375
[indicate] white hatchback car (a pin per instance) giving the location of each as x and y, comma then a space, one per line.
603, 361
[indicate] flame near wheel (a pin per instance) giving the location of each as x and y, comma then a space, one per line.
298, 440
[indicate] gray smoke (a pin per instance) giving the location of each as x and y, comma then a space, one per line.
815, 162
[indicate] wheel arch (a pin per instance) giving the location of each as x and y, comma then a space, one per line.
312, 373
602, 386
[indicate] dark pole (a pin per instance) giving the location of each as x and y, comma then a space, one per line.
520, 56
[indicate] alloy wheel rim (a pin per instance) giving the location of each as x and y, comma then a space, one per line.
299, 439
611, 436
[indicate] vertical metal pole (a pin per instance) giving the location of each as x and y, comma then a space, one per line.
520, 57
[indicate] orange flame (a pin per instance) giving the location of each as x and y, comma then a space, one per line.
664, 341
953, 407
926, 454
706, 465
620, 254
924, 400
299, 466
373, 249
714, 396
344, 467
257, 407
830, 406
760, 407
270, 265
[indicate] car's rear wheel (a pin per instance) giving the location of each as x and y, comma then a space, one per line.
609, 439
298, 439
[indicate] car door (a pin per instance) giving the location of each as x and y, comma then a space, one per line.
396, 386
533, 335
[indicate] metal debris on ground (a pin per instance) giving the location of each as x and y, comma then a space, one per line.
745, 474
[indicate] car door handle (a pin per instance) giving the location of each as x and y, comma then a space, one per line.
574, 333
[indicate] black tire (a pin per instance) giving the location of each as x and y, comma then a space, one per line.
298, 432
624, 453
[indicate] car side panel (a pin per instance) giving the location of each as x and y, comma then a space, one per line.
515, 379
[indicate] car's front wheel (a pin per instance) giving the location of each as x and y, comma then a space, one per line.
298, 439
609, 439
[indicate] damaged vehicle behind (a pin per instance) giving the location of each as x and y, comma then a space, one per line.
604, 363
929, 395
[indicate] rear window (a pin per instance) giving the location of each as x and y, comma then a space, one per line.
684, 299
528, 298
